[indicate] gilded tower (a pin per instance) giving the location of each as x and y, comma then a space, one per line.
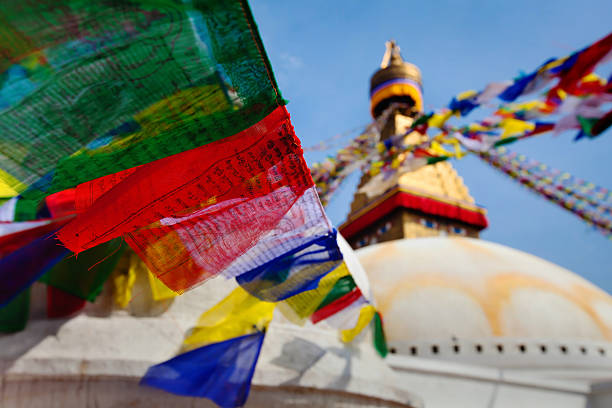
428, 201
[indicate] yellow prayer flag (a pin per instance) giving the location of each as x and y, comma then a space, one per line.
375, 168
9, 185
528, 106
466, 95
366, 314
159, 290
553, 64
238, 314
439, 119
124, 282
438, 149
514, 127
477, 127
300, 306
592, 77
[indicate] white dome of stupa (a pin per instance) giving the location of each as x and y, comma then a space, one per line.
474, 301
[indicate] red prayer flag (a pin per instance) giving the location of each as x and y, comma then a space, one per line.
250, 164
62, 304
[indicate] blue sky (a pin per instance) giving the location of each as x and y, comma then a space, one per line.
324, 52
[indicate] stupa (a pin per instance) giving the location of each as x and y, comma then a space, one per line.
470, 323
430, 201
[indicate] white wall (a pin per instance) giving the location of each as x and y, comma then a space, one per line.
443, 384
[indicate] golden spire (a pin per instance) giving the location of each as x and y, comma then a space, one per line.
392, 55
411, 201
395, 81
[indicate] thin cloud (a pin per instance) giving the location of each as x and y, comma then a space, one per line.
291, 61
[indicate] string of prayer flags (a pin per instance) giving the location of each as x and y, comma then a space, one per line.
580, 65
350, 318
189, 156
347, 309
579, 96
237, 325
585, 200
464, 103
200, 176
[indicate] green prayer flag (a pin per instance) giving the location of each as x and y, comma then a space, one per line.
101, 87
344, 286
433, 160
586, 124
505, 141
380, 343
14, 315
84, 275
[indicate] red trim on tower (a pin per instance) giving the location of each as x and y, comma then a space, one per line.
397, 198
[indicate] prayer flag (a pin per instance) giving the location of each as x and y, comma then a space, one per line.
221, 371
19, 269
14, 314
62, 304
223, 351
236, 315
84, 275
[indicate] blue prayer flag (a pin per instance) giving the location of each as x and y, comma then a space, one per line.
296, 271
221, 372
21, 268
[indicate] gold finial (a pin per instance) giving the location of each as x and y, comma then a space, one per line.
395, 82
392, 55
